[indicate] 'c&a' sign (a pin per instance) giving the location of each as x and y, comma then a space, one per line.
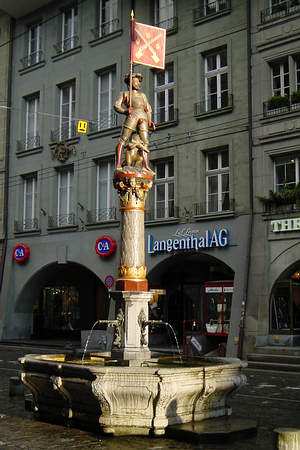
21, 252
105, 246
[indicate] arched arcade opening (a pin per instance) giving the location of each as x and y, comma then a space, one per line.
62, 300
198, 292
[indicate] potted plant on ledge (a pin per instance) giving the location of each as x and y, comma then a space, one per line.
286, 199
295, 100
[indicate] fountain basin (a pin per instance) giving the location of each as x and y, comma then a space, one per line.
130, 400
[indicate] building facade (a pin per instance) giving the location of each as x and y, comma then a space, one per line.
273, 299
68, 65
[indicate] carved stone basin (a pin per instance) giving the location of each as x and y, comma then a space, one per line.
131, 400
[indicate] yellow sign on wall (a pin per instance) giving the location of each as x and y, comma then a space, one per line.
82, 126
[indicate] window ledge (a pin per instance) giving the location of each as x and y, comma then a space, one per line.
62, 229
214, 215
212, 16
62, 55
30, 151
106, 37
33, 232
28, 69
215, 112
104, 224
170, 123
158, 222
103, 132
70, 141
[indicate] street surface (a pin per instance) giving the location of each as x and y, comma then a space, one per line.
270, 398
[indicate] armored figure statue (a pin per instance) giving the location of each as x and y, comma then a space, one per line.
139, 117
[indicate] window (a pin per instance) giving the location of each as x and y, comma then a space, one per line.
297, 68
164, 95
34, 52
32, 138
286, 172
216, 80
65, 214
105, 195
217, 181
106, 118
280, 78
164, 189
108, 13
67, 97
214, 6
69, 29
29, 220
164, 13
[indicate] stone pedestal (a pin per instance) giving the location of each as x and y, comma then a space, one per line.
133, 347
132, 185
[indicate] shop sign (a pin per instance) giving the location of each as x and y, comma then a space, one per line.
214, 239
105, 246
279, 225
21, 252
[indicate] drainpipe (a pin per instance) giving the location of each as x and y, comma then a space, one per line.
5, 203
250, 228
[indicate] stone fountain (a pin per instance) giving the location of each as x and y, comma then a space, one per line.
126, 391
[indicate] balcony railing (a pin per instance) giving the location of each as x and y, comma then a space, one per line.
65, 131
214, 207
163, 116
101, 215
207, 9
214, 104
275, 111
280, 209
280, 10
26, 225
28, 143
105, 121
172, 212
33, 58
67, 44
106, 28
62, 220
170, 24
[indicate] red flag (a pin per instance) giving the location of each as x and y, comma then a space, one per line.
148, 45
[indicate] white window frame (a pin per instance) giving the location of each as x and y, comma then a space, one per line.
297, 72
67, 209
31, 214
69, 119
109, 201
31, 120
166, 87
219, 172
34, 51
164, 10
284, 89
296, 160
71, 37
217, 3
106, 115
217, 73
166, 181
110, 21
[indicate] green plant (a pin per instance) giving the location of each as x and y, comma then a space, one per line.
295, 97
278, 101
286, 196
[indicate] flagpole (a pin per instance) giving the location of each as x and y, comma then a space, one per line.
131, 57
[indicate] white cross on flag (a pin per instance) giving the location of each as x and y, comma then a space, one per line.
148, 45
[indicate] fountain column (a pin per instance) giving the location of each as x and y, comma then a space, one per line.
132, 295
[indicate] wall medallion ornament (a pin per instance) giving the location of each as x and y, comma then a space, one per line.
62, 151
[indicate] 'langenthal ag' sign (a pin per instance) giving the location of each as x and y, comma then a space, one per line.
186, 239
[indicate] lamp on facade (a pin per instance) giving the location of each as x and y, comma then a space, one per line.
296, 275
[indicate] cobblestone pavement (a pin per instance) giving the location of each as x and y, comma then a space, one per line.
270, 398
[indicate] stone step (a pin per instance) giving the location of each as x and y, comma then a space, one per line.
274, 366
278, 358
278, 350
